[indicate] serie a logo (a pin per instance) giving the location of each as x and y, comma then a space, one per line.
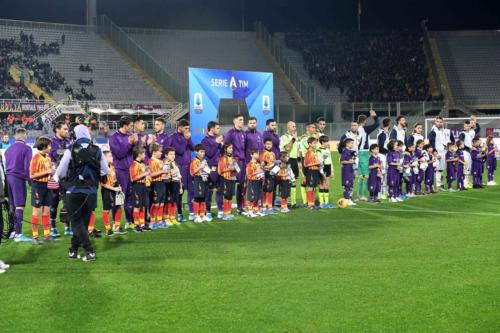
198, 103
266, 104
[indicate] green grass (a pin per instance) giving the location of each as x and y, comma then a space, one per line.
431, 264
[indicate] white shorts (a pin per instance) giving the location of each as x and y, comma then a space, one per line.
442, 160
383, 160
468, 162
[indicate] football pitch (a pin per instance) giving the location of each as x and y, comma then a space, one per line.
429, 264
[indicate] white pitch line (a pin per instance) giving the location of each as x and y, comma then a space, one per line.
425, 211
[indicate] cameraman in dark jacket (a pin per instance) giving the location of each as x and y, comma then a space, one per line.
83, 166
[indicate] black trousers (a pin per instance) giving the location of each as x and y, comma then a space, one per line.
80, 206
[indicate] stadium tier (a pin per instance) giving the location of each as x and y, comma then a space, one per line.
471, 63
366, 66
176, 50
112, 78
296, 60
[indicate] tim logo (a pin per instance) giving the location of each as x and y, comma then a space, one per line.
198, 103
266, 104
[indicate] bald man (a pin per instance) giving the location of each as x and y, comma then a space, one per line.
290, 143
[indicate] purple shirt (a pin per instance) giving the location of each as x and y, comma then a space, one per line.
212, 150
392, 157
237, 138
347, 156
121, 150
276, 142
183, 148
254, 141
142, 140
57, 144
164, 140
18, 159
450, 166
460, 155
372, 161
407, 158
491, 157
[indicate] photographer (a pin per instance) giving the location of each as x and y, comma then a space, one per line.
83, 166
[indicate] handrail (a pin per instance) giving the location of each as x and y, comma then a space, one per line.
432, 60
117, 35
306, 91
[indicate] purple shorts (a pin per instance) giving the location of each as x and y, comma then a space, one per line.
17, 191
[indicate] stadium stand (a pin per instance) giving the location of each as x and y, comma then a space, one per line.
471, 63
112, 78
367, 66
296, 60
176, 50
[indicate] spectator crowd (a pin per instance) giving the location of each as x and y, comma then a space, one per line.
366, 66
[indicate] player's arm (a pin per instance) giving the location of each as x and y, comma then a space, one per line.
135, 175
155, 170
109, 187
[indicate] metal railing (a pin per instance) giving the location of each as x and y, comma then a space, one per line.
117, 35
432, 60
44, 25
306, 91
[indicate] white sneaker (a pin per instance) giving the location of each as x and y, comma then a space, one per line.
251, 214
285, 210
2, 271
259, 214
351, 203
191, 217
398, 199
207, 218
363, 198
393, 200
198, 219
220, 214
3, 265
491, 183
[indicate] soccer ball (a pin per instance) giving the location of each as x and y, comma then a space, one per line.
342, 203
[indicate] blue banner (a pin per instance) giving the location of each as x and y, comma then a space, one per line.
208, 86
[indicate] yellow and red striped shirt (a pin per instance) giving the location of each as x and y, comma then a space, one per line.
252, 170
111, 176
195, 163
311, 158
225, 162
40, 163
137, 169
268, 158
155, 165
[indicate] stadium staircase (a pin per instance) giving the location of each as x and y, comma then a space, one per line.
140, 72
441, 73
280, 74
15, 72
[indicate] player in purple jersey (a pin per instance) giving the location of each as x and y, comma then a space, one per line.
419, 169
375, 175
393, 164
491, 160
